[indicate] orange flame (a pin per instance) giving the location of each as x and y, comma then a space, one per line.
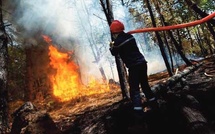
66, 81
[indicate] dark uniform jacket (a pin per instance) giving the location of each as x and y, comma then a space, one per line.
125, 45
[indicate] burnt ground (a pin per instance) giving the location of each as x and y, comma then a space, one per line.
109, 114
115, 116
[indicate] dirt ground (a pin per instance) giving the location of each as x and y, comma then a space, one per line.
109, 114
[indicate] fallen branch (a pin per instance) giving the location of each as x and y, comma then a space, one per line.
209, 75
166, 85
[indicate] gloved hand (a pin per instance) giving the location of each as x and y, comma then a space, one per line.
111, 44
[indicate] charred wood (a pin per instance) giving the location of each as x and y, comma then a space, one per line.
195, 120
29, 120
188, 112
165, 86
185, 105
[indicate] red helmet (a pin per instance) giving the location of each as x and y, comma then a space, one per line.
116, 26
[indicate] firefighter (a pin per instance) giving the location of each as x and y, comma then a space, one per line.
125, 45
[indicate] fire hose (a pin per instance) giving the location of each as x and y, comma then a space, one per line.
178, 26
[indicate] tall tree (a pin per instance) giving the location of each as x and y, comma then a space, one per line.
176, 44
202, 14
160, 42
107, 8
195, 8
3, 75
92, 42
207, 40
169, 50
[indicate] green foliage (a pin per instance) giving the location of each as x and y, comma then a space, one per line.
206, 5
177, 12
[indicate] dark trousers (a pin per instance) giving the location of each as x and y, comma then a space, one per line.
138, 77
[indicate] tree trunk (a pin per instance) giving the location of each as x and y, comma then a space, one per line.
198, 10
203, 51
95, 51
179, 37
3, 76
176, 44
122, 77
202, 14
169, 49
190, 37
103, 74
160, 42
211, 30
111, 68
179, 50
206, 39
122, 73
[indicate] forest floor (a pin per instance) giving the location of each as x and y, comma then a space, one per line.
108, 114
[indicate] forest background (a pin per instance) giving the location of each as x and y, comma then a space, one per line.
80, 29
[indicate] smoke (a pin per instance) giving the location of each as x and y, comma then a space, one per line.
77, 25
51, 17
153, 56
72, 25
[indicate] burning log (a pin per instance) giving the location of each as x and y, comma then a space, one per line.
27, 119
